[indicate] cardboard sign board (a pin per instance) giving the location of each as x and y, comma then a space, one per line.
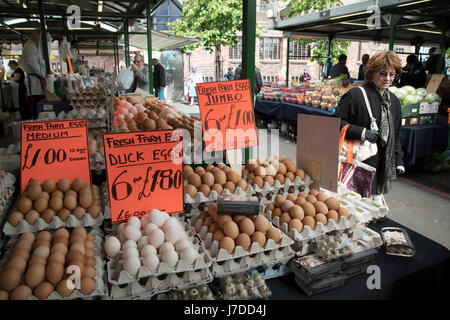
144, 172
54, 150
435, 82
227, 115
317, 149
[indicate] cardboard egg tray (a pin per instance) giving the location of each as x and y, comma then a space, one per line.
275, 271
213, 196
270, 197
277, 185
118, 276
10, 150
147, 287
101, 289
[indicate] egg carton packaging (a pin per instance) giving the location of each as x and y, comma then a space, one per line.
146, 288
275, 271
10, 150
242, 286
213, 196
197, 293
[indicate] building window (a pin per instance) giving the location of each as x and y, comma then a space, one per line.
263, 5
269, 48
235, 53
167, 12
298, 52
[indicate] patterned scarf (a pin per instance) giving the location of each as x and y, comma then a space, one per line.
387, 172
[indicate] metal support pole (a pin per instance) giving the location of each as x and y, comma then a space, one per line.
44, 37
149, 45
287, 58
442, 47
248, 47
116, 62
127, 44
394, 20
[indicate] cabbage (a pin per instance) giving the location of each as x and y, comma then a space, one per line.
431, 97
393, 89
419, 98
409, 90
435, 97
421, 91
401, 94
412, 99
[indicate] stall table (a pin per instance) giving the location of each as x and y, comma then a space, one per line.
425, 275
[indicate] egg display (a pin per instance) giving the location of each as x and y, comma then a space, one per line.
217, 178
41, 265
305, 209
55, 199
258, 172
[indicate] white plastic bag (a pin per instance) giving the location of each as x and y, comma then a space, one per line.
125, 79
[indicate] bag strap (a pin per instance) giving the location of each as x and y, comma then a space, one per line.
350, 143
373, 121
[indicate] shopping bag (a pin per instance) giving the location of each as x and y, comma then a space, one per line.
354, 174
161, 95
125, 79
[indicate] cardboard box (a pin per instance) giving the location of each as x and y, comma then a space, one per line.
429, 118
410, 121
426, 107
410, 110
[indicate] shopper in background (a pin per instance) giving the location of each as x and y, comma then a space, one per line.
340, 67
362, 67
229, 75
431, 63
195, 77
381, 69
414, 73
305, 77
159, 78
258, 78
140, 71
20, 95
34, 66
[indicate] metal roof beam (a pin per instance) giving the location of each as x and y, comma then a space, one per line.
83, 13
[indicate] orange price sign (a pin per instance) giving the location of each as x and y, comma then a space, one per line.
227, 115
144, 172
54, 150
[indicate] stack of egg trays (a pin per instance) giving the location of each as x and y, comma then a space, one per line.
10, 150
270, 197
228, 288
202, 292
101, 290
146, 283
277, 186
7, 189
200, 199
241, 260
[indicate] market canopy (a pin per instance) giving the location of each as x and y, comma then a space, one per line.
423, 22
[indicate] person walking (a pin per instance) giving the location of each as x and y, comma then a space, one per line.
362, 67
140, 70
20, 94
195, 77
340, 67
258, 78
229, 75
159, 78
33, 64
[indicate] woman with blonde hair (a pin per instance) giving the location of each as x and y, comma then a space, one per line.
381, 70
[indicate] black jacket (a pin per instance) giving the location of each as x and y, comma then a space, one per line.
362, 69
159, 76
415, 76
352, 110
258, 78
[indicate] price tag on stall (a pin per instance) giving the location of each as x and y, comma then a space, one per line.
54, 150
144, 172
227, 115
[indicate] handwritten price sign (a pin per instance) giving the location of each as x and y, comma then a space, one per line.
144, 171
227, 115
54, 150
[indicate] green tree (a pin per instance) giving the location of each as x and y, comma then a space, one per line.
215, 22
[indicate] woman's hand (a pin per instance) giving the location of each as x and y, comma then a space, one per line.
371, 136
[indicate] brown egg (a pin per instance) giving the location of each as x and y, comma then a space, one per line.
314, 192
90, 237
86, 200
242, 184
261, 223
48, 215
274, 234
230, 186
312, 199
28, 236
244, 241
226, 169
247, 226
44, 235
57, 194
208, 179
203, 215
213, 227
286, 205
24, 204
17, 263
54, 272
333, 203
61, 232
187, 169
89, 272
57, 257
276, 213
72, 193
15, 217
20, 253
270, 180
94, 211
258, 181
303, 194
90, 261
231, 229
212, 210
321, 207
300, 173
32, 216
61, 239
208, 221
195, 180
49, 186
238, 218
35, 275
280, 177
260, 171
200, 170
320, 217
21, 293
63, 290
218, 235
281, 169
270, 207
79, 212
78, 184
296, 212
23, 244
209, 167
309, 209
43, 290
233, 176
34, 192
292, 197
332, 215
77, 237
279, 200
191, 191
321, 197
10, 279
70, 202
63, 185
45, 196
290, 176
259, 237
75, 255
296, 224
79, 264
40, 204
4, 295
309, 221
217, 187
220, 177
285, 218
204, 189
343, 212
228, 244
36, 259
89, 244
63, 214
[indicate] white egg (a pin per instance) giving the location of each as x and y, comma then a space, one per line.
157, 217
188, 254
147, 250
166, 246
130, 252
143, 241
134, 221
170, 222
122, 237
156, 238
131, 265
181, 244
112, 246
166, 215
121, 227
172, 234
151, 262
132, 233
129, 244
145, 220
150, 227
42, 251
170, 257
